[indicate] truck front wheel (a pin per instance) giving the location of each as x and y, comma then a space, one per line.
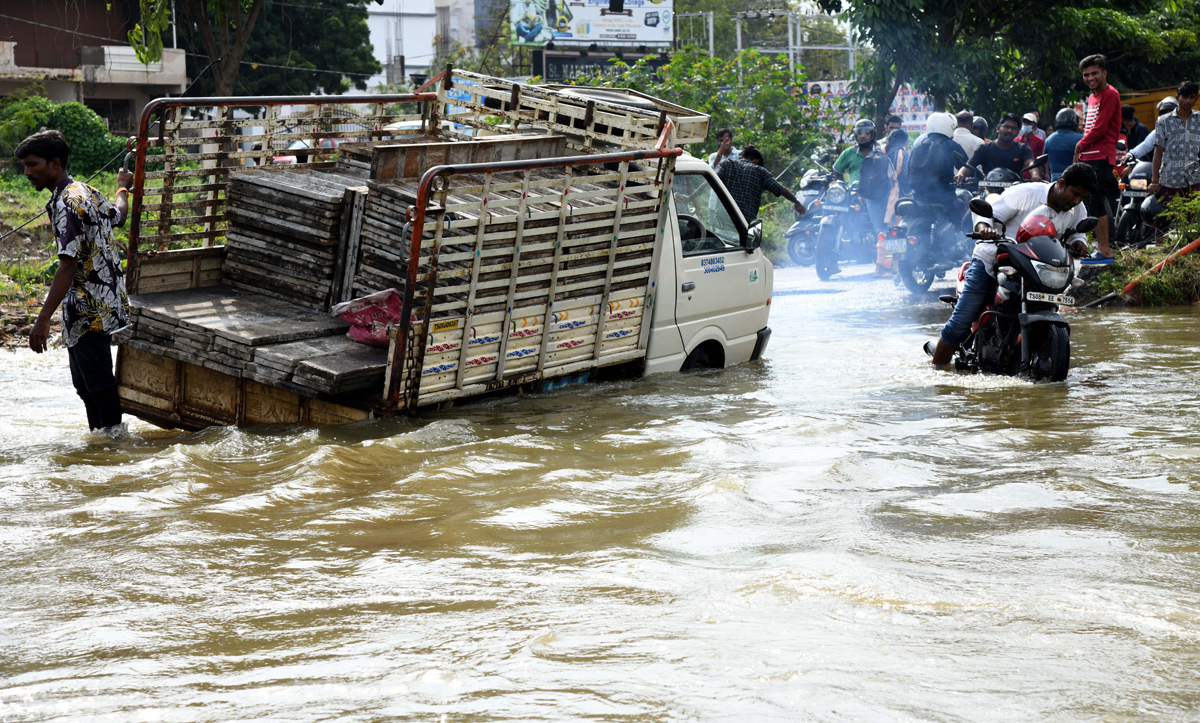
708, 355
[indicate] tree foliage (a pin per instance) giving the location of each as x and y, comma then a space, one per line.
25, 112
224, 27
997, 57
756, 96
305, 36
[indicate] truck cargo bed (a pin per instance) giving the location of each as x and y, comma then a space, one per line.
518, 257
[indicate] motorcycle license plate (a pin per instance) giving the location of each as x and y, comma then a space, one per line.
836, 208
897, 245
1137, 194
1051, 298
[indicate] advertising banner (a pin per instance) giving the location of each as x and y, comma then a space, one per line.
912, 106
584, 22
566, 66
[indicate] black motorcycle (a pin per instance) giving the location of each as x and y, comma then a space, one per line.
846, 231
1134, 228
801, 237
1021, 331
935, 243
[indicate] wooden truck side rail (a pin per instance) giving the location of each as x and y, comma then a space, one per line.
183, 203
641, 188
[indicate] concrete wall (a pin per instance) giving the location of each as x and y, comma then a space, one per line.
105, 73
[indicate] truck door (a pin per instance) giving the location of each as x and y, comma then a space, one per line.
722, 291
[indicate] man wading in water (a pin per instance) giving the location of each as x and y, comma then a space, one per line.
89, 283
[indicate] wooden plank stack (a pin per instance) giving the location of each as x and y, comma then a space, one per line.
247, 335
589, 231
286, 235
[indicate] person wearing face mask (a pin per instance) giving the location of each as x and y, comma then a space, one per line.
1004, 152
1029, 134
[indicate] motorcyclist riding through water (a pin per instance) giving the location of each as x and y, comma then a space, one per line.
1059, 203
1004, 152
933, 162
856, 158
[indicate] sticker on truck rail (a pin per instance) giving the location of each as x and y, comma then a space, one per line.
713, 266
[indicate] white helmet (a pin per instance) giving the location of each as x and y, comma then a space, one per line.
940, 123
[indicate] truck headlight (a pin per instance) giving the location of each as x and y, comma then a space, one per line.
1054, 277
836, 194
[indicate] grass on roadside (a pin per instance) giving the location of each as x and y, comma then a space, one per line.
1176, 284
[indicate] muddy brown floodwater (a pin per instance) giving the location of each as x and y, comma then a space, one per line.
837, 533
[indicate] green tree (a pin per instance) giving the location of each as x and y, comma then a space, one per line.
224, 28
304, 36
1011, 56
756, 96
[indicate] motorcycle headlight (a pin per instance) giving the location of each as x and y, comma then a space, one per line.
1054, 277
836, 194
1138, 184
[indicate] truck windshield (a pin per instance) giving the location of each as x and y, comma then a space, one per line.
705, 223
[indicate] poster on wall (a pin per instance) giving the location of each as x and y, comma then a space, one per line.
912, 106
584, 22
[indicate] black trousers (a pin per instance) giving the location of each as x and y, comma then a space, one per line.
92, 375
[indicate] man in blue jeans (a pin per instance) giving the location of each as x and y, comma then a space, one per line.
1059, 201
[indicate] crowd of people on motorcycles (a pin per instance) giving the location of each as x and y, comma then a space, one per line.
919, 209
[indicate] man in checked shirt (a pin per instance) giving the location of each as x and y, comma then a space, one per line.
1177, 147
746, 179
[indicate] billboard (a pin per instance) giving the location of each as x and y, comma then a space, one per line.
584, 22
565, 66
912, 106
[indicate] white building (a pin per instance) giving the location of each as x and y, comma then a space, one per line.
402, 28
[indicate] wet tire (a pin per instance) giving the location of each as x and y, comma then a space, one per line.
1050, 354
1126, 230
802, 249
1132, 232
915, 276
826, 257
698, 359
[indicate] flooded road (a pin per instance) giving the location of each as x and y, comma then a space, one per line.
836, 533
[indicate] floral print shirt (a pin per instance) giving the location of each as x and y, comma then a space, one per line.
82, 220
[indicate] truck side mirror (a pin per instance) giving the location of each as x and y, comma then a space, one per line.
754, 235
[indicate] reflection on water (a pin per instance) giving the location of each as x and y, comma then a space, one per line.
838, 532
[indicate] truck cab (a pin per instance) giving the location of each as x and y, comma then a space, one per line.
715, 294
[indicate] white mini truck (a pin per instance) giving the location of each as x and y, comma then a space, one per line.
533, 249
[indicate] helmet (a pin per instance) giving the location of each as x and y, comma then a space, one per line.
941, 123
980, 124
1066, 118
1167, 105
863, 125
1036, 224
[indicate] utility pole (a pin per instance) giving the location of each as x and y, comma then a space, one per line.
708, 20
